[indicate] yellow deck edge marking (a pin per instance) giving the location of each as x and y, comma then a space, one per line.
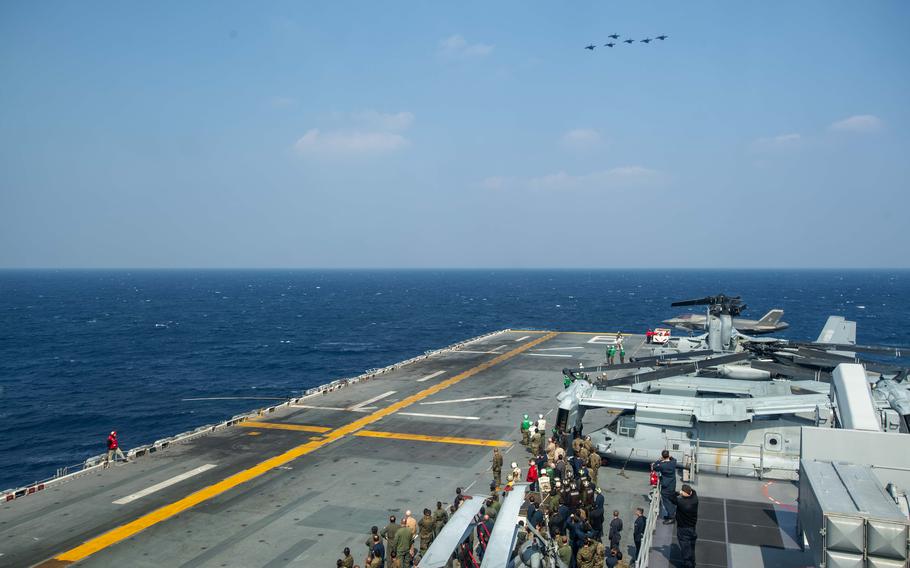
280, 426
127, 530
442, 439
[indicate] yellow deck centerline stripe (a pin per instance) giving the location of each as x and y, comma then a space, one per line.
280, 426
442, 439
129, 529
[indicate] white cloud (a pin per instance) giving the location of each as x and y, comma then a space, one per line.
456, 46
859, 123
371, 132
385, 121
781, 142
340, 142
581, 138
615, 178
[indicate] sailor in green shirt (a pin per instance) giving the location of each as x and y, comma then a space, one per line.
525, 430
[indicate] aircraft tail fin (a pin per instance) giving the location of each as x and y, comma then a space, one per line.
771, 317
838, 330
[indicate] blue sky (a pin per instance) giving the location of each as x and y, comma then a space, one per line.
468, 134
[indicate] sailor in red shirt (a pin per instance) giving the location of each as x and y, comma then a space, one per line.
532, 475
649, 335
113, 449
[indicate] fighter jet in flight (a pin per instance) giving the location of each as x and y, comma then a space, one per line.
628, 41
609, 44
591, 47
662, 37
646, 40
613, 36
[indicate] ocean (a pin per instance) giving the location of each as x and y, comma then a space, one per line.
83, 352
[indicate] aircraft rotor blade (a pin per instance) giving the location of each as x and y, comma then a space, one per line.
683, 369
890, 350
670, 356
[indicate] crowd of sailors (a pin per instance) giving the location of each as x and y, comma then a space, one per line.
565, 511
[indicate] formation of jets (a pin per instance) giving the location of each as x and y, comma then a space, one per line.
630, 41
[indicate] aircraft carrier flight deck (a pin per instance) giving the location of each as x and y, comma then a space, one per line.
293, 487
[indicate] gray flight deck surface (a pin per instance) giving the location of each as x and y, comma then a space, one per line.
240, 505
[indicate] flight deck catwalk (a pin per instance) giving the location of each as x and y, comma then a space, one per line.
451, 535
502, 539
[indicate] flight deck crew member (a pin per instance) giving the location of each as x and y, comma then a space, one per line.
622, 354
113, 449
614, 557
497, 467
532, 475
597, 514
348, 560
412, 523
585, 556
440, 518
378, 550
525, 430
686, 519
666, 469
594, 463
615, 530
600, 553
639, 530
426, 530
374, 530
458, 498
649, 335
402, 539
534, 444
388, 533
565, 550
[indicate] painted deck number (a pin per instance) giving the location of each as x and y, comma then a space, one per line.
603, 340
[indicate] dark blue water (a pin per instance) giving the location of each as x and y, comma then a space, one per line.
85, 352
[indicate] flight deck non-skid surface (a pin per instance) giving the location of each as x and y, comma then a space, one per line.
297, 486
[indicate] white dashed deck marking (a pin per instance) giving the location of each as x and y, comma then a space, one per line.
370, 401
335, 408
558, 348
465, 399
439, 416
522, 338
430, 376
548, 355
163, 484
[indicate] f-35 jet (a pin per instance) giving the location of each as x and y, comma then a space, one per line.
628, 41
769, 323
613, 36
591, 47
611, 44
662, 37
646, 40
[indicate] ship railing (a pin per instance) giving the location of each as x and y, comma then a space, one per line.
652, 514
93, 463
751, 460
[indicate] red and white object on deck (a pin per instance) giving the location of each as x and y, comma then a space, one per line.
661, 335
